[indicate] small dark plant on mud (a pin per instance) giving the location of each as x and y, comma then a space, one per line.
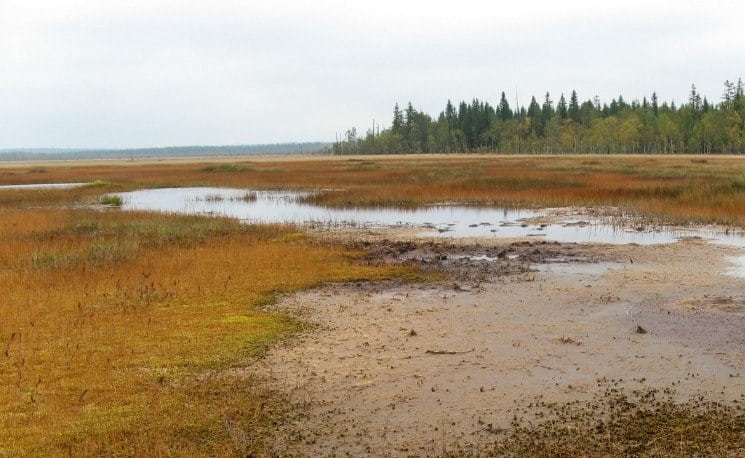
618, 423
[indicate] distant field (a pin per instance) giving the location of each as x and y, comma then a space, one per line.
114, 322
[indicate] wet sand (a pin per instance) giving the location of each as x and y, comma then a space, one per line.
395, 369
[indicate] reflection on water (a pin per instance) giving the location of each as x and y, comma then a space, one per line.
42, 186
435, 220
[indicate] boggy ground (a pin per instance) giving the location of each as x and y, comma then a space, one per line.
466, 365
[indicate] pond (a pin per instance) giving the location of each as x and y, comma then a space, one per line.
433, 220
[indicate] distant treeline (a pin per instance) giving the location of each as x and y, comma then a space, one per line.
567, 126
174, 151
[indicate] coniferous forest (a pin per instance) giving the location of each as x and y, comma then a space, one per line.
563, 126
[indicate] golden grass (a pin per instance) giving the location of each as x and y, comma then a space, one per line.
111, 321
118, 327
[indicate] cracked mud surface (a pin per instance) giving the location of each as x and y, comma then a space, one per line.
395, 369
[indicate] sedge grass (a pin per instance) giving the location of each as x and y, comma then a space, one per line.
111, 320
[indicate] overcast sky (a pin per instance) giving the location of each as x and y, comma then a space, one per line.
157, 73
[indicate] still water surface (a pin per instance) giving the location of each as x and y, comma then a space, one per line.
41, 186
433, 220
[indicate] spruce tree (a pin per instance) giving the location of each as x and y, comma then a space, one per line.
536, 117
739, 100
561, 107
574, 107
547, 110
504, 110
398, 120
694, 99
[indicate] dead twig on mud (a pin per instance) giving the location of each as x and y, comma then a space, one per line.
447, 352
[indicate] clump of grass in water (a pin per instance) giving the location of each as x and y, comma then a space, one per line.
97, 184
247, 197
112, 200
211, 198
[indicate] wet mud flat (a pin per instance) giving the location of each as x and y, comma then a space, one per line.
518, 341
473, 263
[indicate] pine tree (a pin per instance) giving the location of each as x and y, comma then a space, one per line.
536, 117
739, 100
587, 112
409, 116
398, 120
561, 107
504, 110
547, 111
729, 93
596, 103
647, 126
411, 131
694, 99
450, 113
573, 111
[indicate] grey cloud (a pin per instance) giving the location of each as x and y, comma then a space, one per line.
184, 74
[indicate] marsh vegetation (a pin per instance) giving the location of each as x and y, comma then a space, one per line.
124, 332
111, 321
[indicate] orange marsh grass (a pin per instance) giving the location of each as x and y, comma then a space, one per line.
678, 188
111, 320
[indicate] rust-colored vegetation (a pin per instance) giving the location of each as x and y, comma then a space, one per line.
118, 328
679, 188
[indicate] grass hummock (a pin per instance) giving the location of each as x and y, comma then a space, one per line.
112, 200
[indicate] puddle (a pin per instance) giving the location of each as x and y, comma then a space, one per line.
41, 186
286, 207
434, 221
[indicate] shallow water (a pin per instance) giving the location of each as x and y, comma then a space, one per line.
42, 186
435, 220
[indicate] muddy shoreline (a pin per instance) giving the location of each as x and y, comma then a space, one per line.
399, 369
